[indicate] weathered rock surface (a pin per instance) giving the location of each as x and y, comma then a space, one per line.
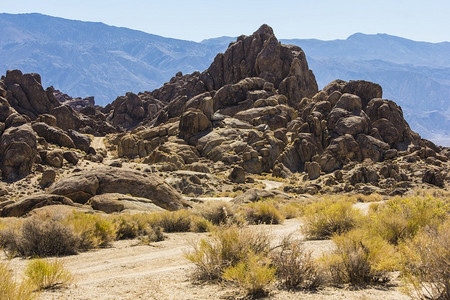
26, 95
53, 135
114, 202
48, 177
24, 206
82, 187
18, 150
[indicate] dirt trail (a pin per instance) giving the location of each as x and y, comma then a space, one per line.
160, 271
270, 184
130, 271
98, 143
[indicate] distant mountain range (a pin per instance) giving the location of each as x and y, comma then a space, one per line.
86, 58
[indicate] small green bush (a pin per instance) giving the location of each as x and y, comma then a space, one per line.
254, 274
295, 266
44, 274
360, 259
401, 218
327, 217
11, 289
262, 212
425, 263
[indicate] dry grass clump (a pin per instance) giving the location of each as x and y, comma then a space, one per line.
292, 210
254, 274
401, 218
152, 234
225, 248
433, 192
425, 263
374, 197
44, 274
176, 221
217, 212
179, 221
262, 212
93, 231
129, 226
360, 259
243, 256
327, 217
144, 225
11, 288
295, 268
268, 176
37, 236
200, 224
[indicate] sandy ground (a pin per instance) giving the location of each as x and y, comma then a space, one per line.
128, 270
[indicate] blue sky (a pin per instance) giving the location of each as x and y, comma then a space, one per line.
199, 19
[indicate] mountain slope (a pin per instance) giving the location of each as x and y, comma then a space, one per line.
85, 58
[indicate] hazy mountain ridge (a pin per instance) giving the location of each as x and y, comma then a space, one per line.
86, 58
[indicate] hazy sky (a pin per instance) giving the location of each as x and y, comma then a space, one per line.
425, 20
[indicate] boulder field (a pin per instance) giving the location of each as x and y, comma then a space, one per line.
257, 109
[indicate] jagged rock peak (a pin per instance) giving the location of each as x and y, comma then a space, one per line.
260, 55
257, 55
265, 31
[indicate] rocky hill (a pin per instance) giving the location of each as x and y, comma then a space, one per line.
256, 109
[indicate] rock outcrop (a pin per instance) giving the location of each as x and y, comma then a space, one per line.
18, 150
82, 187
24, 206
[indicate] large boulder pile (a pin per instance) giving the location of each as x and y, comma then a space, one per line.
256, 109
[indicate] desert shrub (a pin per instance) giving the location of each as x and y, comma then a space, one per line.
401, 218
92, 230
39, 237
200, 224
262, 212
292, 210
295, 268
425, 263
374, 197
254, 274
226, 247
327, 217
360, 259
217, 212
127, 227
44, 274
172, 221
12, 289
152, 234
